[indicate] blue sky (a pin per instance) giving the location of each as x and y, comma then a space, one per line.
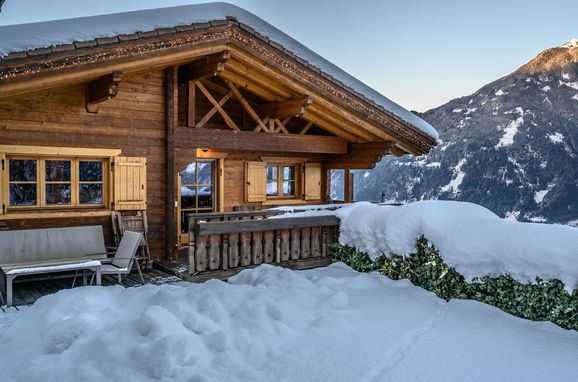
420, 53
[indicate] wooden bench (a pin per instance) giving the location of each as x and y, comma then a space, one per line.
42, 251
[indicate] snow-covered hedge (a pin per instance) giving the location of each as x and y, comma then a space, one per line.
527, 269
538, 301
470, 238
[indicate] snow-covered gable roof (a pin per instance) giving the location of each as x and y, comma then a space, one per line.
25, 37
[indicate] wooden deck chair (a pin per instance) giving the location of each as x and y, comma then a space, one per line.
115, 227
124, 258
135, 223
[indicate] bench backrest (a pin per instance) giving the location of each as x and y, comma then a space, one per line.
48, 244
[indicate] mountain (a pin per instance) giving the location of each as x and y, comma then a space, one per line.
512, 147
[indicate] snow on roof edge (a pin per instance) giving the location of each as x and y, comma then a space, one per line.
24, 37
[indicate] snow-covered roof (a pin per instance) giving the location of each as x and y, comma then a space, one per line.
24, 37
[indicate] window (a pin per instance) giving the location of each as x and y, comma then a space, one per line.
23, 182
197, 189
55, 183
90, 182
281, 181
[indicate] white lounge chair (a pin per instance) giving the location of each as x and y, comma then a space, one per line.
124, 258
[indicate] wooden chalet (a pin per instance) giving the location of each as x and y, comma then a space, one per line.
215, 116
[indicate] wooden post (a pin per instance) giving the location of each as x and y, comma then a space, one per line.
170, 110
348, 185
191, 104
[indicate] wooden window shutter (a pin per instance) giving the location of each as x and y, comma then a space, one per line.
312, 181
256, 181
3, 190
130, 184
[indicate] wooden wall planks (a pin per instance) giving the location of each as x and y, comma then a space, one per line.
133, 121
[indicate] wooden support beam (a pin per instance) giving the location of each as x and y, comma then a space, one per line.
257, 141
212, 112
209, 66
270, 90
265, 122
102, 89
351, 165
218, 106
171, 239
361, 155
348, 185
398, 152
191, 97
245, 104
306, 128
288, 108
268, 69
281, 125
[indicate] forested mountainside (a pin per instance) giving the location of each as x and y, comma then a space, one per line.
511, 147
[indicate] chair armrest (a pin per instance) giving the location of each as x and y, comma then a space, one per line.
106, 261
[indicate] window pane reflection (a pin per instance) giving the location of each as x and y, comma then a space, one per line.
205, 195
58, 193
197, 189
23, 194
90, 171
90, 194
57, 170
189, 176
288, 173
288, 188
271, 172
188, 197
23, 170
272, 188
205, 172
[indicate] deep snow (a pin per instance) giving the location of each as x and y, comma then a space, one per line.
274, 324
469, 237
15, 38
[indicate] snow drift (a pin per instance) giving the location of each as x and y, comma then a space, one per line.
469, 237
274, 324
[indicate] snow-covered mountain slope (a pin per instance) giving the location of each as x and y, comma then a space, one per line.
512, 146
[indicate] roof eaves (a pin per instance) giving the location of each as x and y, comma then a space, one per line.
77, 45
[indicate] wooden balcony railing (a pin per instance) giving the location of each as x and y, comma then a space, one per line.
221, 241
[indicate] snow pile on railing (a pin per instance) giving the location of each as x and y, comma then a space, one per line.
469, 237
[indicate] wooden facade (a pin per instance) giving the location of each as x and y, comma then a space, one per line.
211, 118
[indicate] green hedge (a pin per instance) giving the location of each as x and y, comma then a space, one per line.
542, 301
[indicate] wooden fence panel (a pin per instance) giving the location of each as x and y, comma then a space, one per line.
315, 241
224, 241
214, 252
233, 250
257, 248
295, 243
201, 253
305, 242
285, 245
269, 246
